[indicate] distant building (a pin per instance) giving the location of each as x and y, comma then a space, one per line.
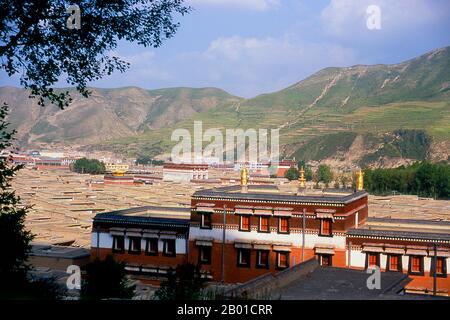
184, 172
284, 166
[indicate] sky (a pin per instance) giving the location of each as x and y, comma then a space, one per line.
250, 47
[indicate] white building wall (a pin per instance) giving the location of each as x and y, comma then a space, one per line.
294, 238
106, 242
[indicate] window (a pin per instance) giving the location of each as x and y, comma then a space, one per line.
394, 263
262, 259
373, 260
206, 221
282, 260
244, 224
169, 247
325, 260
118, 244
244, 257
264, 225
134, 245
325, 227
416, 265
204, 255
151, 247
283, 225
440, 265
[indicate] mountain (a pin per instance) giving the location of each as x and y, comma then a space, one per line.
351, 116
106, 114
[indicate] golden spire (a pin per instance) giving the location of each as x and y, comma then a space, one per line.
244, 176
301, 177
359, 180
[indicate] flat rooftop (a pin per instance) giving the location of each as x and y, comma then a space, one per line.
343, 284
404, 228
278, 193
62, 252
161, 216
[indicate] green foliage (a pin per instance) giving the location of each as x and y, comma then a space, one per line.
13, 235
91, 166
325, 146
308, 170
185, 283
291, 174
146, 159
106, 279
422, 178
324, 174
410, 144
15, 279
37, 45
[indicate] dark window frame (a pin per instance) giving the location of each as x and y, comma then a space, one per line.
165, 245
329, 256
444, 267
147, 247
268, 224
288, 256
130, 242
249, 222
122, 250
239, 253
258, 255
367, 259
421, 266
321, 228
204, 261
399, 262
288, 225
203, 215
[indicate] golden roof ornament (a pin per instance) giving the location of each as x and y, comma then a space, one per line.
301, 178
244, 176
359, 180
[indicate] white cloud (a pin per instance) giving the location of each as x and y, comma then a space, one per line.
247, 66
348, 17
257, 5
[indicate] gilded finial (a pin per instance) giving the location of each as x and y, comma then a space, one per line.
244, 176
359, 180
301, 178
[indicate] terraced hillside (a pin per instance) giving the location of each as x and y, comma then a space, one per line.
346, 115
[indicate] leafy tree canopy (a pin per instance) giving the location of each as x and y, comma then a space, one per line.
291, 174
92, 166
324, 173
36, 43
106, 279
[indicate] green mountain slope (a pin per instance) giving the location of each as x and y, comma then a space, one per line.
342, 114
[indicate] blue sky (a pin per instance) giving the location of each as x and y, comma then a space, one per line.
249, 47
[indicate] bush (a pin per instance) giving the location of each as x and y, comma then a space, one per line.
91, 166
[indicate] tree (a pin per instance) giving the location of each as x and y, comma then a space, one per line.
92, 166
38, 41
344, 180
308, 170
291, 174
16, 282
324, 174
106, 279
14, 255
185, 283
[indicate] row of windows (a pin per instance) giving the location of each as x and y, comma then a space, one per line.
264, 224
415, 265
244, 258
151, 246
